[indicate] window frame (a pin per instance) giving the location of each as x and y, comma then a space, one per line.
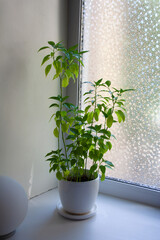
130, 191
115, 187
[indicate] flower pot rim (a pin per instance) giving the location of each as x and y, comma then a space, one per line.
73, 182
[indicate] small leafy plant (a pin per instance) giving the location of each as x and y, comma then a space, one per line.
85, 139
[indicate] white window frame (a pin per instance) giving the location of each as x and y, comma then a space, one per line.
130, 191
110, 186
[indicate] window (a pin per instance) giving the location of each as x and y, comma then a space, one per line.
122, 39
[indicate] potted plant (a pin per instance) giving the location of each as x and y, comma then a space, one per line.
82, 138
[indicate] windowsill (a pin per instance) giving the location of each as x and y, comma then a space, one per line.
116, 219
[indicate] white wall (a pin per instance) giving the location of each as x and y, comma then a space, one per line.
25, 133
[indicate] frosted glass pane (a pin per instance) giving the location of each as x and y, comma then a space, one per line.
123, 42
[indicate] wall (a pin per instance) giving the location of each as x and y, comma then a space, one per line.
25, 131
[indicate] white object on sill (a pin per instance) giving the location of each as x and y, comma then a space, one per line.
13, 205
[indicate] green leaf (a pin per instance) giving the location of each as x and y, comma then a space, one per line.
46, 58
87, 135
52, 159
126, 90
55, 166
58, 98
86, 99
109, 145
58, 114
63, 113
112, 135
54, 105
69, 120
74, 130
90, 117
63, 167
59, 175
57, 66
102, 177
58, 122
105, 114
85, 117
59, 45
109, 167
89, 83
109, 111
42, 48
104, 137
71, 137
56, 132
52, 54
51, 169
108, 83
47, 69
103, 169
68, 74
104, 131
51, 117
94, 154
89, 92
81, 171
109, 163
74, 68
59, 57
80, 62
109, 121
120, 116
83, 52
65, 127
65, 82
55, 76
93, 101
50, 153
120, 103
73, 162
66, 173
79, 119
64, 98
87, 108
52, 43
98, 127
69, 105
96, 114
81, 160
93, 167
98, 82
73, 47
91, 154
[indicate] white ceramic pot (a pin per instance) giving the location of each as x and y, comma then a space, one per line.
78, 197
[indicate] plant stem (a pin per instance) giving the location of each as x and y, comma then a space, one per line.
113, 101
100, 162
86, 166
61, 123
95, 97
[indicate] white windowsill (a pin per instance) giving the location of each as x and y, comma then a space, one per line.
116, 219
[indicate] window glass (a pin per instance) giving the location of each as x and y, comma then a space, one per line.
122, 37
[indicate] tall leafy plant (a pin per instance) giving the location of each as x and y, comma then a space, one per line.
88, 139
